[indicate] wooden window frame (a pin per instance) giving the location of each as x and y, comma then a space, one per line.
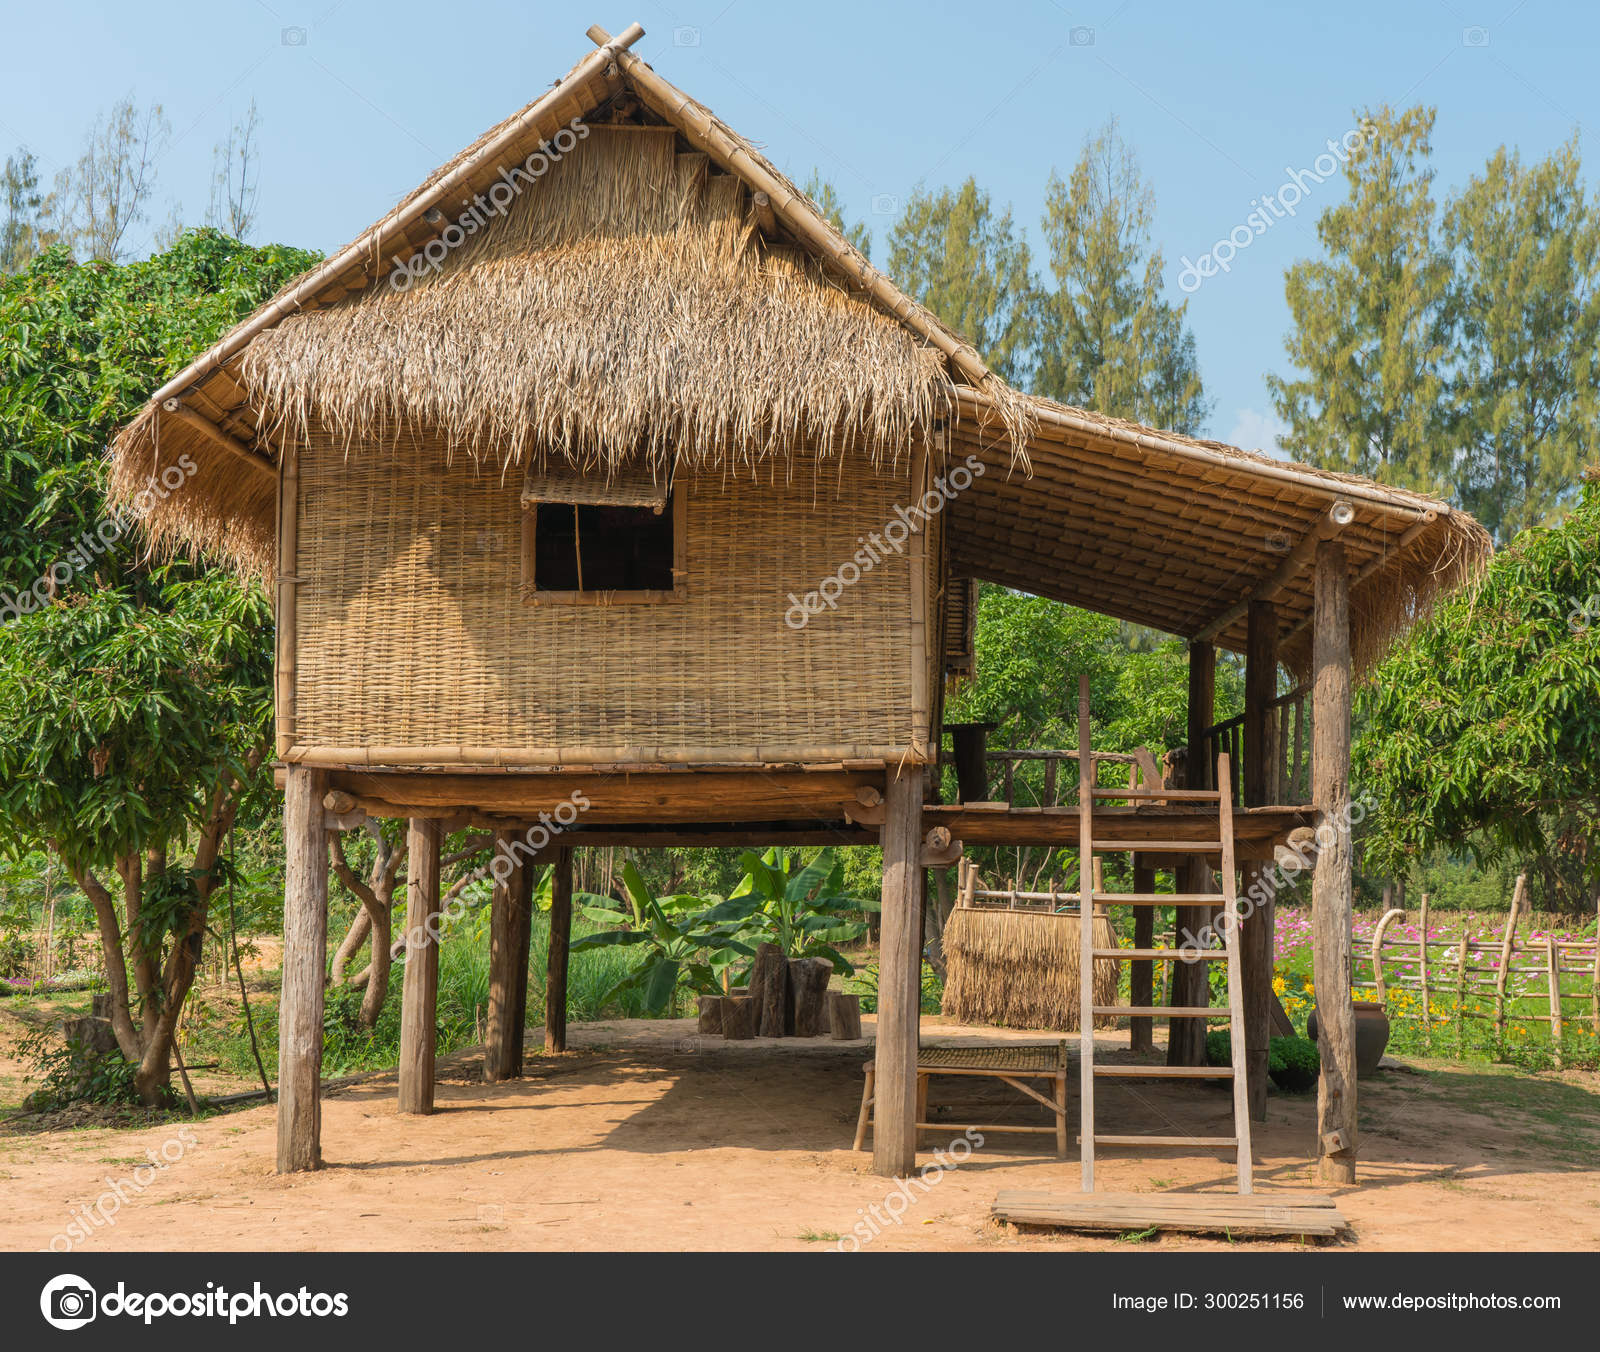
677, 504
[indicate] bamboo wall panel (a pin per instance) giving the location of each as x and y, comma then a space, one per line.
411, 630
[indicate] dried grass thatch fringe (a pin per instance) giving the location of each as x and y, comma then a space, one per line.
623, 306
1019, 969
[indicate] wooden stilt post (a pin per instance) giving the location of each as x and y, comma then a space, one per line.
894, 1138
1260, 767
1186, 1038
508, 957
1331, 901
420, 994
523, 943
305, 951
555, 984
1141, 975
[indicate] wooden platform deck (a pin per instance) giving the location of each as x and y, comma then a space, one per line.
1259, 1214
1257, 829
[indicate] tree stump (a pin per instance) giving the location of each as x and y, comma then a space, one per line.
808, 986
769, 988
710, 1009
844, 1016
737, 1016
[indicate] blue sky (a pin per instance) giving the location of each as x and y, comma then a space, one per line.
360, 101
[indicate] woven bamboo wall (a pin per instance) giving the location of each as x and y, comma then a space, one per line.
410, 628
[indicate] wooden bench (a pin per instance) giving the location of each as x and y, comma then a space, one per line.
1012, 1062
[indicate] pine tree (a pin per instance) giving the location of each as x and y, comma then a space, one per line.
952, 252
1369, 319
1108, 340
20, 235
1524, 308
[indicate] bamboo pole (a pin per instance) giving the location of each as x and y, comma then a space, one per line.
1086, 941
1507, 943
1553, 969
1422, 970
1387, 919
1461, 990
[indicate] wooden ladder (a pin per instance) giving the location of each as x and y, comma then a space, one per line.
1089, 898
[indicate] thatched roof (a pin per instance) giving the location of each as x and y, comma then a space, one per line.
664, 290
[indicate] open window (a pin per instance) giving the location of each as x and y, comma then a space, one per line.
588, 540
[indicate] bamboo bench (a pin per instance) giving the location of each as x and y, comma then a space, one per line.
1012, 1063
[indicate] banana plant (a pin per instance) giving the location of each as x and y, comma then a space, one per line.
804, 910
687, 943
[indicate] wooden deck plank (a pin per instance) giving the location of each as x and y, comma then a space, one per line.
1257, 1214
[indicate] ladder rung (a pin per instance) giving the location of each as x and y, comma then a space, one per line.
1166, 1011
1162, 899
1230, 1141
1158, 846
1167, 1072
1191, 795
1138, 954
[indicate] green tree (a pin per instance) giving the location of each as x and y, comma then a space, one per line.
1481, 730
134, 700
20, 237
822, 192
1524, 308
1107, 338
1368, 318
951, 251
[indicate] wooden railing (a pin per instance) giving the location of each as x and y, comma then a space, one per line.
1290, 781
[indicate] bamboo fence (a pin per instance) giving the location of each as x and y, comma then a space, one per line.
1495, 974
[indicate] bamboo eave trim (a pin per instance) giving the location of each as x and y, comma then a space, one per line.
350, 757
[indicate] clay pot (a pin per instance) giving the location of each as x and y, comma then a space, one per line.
1372, 1034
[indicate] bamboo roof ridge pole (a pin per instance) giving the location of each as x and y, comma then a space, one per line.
305, 950
374, 245
420, 988
894, 1139
1340, 515
1086, 939
703, 132
1332, 876
555, 989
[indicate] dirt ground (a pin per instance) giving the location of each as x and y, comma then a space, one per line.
647, 1136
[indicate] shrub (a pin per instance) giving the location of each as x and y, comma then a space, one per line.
1292, 1062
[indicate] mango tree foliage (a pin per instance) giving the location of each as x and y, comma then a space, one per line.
134, 700
1482, 729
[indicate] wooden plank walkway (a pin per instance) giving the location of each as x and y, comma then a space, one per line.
1310, 1214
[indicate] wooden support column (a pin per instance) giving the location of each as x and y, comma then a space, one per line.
894, 1140
305, 952
419, 997
555, 984
1331, 900
1260, 763
509, 932
1141, 975
1186, 1038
